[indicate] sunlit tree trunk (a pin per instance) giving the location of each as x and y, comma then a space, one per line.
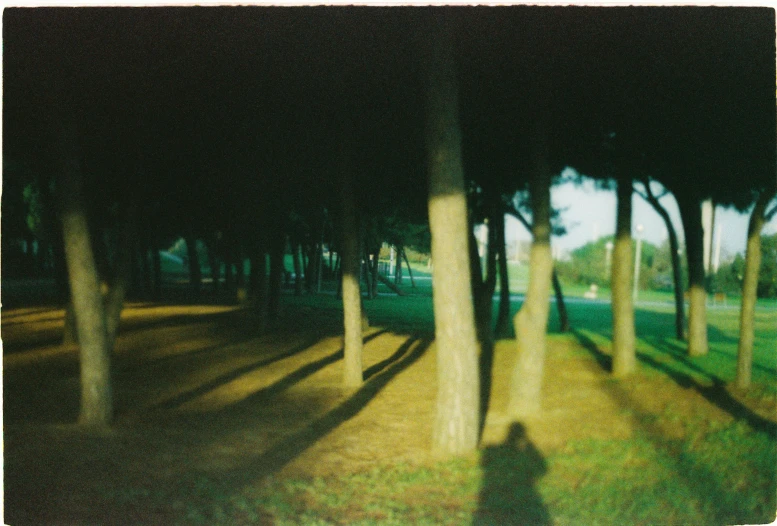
557, 290
624, 358
457, 419
350, 263
96, 389
70, 332
749, 290
531, 322
690, 210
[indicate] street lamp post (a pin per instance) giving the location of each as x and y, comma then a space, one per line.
608, 260
637, 259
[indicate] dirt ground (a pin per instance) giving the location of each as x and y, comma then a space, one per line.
200, 393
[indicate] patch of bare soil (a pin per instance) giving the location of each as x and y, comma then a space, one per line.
202, 395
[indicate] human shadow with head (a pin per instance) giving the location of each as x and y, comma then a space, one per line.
510, 472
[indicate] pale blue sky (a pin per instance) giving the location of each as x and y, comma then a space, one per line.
591, 214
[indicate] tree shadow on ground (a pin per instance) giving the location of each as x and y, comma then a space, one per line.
290, 447
679, 349
221, 322
705, 482
510, 472
715, 392
153, 486
280, 385
604, 360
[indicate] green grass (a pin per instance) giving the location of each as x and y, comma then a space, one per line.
654, 326
717, 474
651, 480
724, 475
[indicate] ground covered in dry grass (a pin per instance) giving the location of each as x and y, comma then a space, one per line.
219, 423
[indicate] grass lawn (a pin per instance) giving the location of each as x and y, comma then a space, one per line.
219, 423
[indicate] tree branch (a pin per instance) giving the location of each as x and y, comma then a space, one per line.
513, 211
770, 214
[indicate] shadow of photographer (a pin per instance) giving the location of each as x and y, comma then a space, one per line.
510, 471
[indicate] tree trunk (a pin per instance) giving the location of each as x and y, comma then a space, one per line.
70, 332
372, 273
276, 275
674, 247
503, 318
375, 272
60, 266
409, 270
114, 300
475, 267
229, 268
145, 267
259, 279
195, 275
398, 268
365, 273
135, 282
305, 262
215, 267
241, 293
95, 359
563, 315
531, 322
624, 359
157, 270
677, 276
42, 257
311, 269
339, 276
690, 210
485, 290
749, 290
456, 425
391, 285
350, 264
